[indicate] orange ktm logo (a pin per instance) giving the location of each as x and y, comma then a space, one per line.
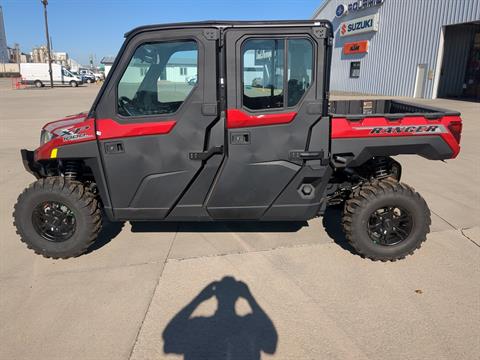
356, 47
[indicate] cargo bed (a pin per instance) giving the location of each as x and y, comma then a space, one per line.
362, 129
390, 109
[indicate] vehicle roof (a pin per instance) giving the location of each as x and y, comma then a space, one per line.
225, 23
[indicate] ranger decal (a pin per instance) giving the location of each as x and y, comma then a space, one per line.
410, 129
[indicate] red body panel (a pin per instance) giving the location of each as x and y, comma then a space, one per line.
78, 129
110, 129
238, 119
65, 122
371, 127
67, 132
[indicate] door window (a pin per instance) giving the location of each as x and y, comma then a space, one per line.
300, 65
264, 75
153, 82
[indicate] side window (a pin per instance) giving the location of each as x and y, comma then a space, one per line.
154, 81
300, 64
263, 73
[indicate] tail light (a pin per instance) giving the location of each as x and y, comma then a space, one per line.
455, 128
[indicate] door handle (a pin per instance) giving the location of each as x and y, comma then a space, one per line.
297, 155
114, 147
240, 138
205, 155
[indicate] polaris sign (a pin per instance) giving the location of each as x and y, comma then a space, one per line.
359, 25
344, 9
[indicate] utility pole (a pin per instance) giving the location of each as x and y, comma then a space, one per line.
45, 3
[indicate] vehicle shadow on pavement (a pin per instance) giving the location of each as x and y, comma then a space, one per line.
109, 231
332, 223
225, 334
219, 226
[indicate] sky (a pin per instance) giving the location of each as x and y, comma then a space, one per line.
85, 27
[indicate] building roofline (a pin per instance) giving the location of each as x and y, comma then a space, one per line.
320, 8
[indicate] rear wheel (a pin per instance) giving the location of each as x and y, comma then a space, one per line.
386, 220
57, 218
38, 84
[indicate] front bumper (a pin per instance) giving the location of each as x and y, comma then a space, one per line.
28, 159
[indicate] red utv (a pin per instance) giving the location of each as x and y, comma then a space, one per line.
254, 138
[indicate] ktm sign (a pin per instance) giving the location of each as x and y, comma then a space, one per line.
357, 47
359, 25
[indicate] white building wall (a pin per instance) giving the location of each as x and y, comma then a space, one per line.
173, 72
409, 34
135, 74
107, 69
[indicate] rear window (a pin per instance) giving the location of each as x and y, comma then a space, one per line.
269, 83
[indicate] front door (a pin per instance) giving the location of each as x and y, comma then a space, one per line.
154, 115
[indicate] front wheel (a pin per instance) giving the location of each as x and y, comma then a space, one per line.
386, 220
57, 218
73, 83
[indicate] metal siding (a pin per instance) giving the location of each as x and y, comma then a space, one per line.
408, 34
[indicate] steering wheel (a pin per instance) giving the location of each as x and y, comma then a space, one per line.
124, 102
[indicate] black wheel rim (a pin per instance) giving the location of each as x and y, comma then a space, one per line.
389, 225
54, 221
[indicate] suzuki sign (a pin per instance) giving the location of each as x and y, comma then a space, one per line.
359, 25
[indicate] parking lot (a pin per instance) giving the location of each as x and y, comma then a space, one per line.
133, 295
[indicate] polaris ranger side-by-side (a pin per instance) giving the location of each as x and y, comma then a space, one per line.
253, 138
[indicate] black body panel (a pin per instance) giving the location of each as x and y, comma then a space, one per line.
358, 150
30, 164
89, 153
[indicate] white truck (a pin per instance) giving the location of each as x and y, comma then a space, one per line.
37, 74
97, 75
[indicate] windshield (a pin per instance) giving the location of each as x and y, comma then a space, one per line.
67, 73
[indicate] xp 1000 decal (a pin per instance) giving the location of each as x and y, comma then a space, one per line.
76, 133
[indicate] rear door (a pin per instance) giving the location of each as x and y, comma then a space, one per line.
277, 79
152, 117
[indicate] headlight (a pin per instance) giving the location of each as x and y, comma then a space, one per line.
45, 136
